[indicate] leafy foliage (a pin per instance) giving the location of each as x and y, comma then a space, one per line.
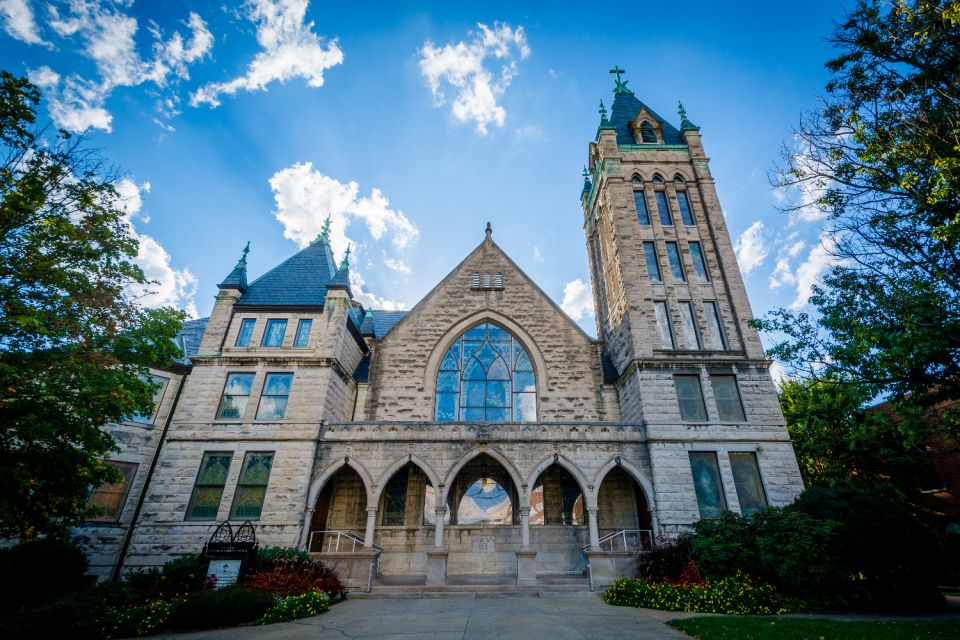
308, 604
39, 571
285, 571
75, 347
737, 594
225, 607
838, 441
666, 561
880, 160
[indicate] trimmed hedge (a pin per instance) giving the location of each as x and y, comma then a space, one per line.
737, 594
227, 607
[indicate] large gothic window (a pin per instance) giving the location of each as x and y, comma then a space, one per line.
486, 376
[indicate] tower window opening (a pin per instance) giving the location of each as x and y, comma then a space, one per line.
487, 281
647, 134
498, 281
476, 280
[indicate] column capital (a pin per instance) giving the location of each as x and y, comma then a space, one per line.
441, 511
371, 511
593, 511
525, 512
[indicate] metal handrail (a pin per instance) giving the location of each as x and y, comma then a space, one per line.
338, 542
642, 540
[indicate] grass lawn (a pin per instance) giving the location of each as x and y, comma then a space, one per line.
769, 628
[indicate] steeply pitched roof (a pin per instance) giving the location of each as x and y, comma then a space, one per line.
189, 338
376, 323
625, 108
301, 280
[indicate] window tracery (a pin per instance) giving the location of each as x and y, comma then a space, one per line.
486, 375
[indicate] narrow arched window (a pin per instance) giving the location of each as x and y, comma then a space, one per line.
636, 179
486, 376
647, 134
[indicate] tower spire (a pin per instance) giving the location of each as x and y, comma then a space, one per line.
242, 262
345, 263
237, 279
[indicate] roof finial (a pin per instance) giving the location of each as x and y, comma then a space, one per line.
489, 230
603, 113
681, 111
345, 263
587, 185
586, 174
324, 236
621, 84
242, 262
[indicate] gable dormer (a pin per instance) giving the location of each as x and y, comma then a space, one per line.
646, 128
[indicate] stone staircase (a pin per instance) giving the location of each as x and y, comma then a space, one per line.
547, 586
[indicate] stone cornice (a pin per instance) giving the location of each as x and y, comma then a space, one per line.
278, 359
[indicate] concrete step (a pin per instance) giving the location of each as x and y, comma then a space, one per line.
533, 592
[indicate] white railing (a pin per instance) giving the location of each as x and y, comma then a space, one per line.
628, 540
337, 542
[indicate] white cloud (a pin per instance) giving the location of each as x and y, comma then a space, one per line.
751, 248
461, 67
783, 272
577, 299
108, 37
290, 50
170, 287
305, 197
812, 269
537, 256
396, 265
18, 22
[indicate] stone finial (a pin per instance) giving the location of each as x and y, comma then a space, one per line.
242, 262
489, 230
324, 236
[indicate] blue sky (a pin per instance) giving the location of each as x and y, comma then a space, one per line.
413, 124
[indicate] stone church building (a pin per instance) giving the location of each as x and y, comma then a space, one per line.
482, 434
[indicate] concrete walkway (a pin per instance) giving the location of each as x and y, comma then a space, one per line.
469, 617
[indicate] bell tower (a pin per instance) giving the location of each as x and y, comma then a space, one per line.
667, 289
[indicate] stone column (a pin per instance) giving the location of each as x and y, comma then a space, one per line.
525, 527
438, 532
371, 523
594, 531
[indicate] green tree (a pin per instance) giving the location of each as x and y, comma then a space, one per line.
75, 347
838, 440
880, 160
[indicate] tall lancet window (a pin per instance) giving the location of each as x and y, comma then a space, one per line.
486, 376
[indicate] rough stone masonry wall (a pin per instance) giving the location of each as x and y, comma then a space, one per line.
318, 392
402, 385
138, 442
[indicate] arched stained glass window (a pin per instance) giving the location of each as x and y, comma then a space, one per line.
486, 376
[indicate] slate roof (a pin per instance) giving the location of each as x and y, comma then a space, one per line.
625, 108
301, 280
189, 338
377, 323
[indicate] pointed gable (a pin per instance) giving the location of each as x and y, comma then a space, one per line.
486, 286
301, 280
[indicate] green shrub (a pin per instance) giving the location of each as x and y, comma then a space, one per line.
270, 558
737, 594
139, 620
71, 615
287, 571
225, 607
666, 561
178, 577
40, 571
725, 545
312, 603
890, 559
